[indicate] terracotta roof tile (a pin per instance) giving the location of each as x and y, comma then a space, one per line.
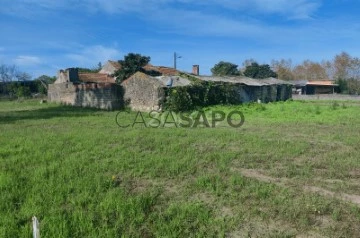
95, 78
322, 83
165, 71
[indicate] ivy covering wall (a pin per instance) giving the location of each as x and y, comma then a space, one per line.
199, 95
206, 93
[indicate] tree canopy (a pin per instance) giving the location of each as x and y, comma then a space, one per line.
42, 83
310, 70
257, 71
225, 68
130, 65
283, 69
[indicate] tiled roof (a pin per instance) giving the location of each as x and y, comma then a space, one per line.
162, 80
95, 78
313, 83
322, 83
165, 71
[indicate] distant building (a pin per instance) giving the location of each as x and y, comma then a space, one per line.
321, 87
314, 87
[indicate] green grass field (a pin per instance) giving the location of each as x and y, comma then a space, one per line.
292, 170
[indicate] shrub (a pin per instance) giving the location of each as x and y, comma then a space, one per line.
334, 105
178, 99
199, 95
23, 91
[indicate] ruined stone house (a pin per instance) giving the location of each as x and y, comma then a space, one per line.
86, 90
100, 90
146, 92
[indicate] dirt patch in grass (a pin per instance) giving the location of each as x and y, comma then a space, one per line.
343, 196
210, 200
284, 182
132, 185
259, 175
260, 228
355, 173
205, 197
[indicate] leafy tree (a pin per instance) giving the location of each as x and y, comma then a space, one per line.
310, 70
345, 69
46, 79
42, 83
259, 71
247, 62
225, 69
343, 85
342, 64
23, 91
353, 86
283, 69
131, 64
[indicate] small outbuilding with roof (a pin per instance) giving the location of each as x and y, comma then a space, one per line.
314, 87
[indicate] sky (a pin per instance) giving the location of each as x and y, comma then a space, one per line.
44, 36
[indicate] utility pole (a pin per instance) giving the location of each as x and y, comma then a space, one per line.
175, 58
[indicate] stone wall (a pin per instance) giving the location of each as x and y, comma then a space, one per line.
267, 93
108, 68
247, 93
143, 93
243, 94
62, 77
284, 92
67, 75
98, 95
